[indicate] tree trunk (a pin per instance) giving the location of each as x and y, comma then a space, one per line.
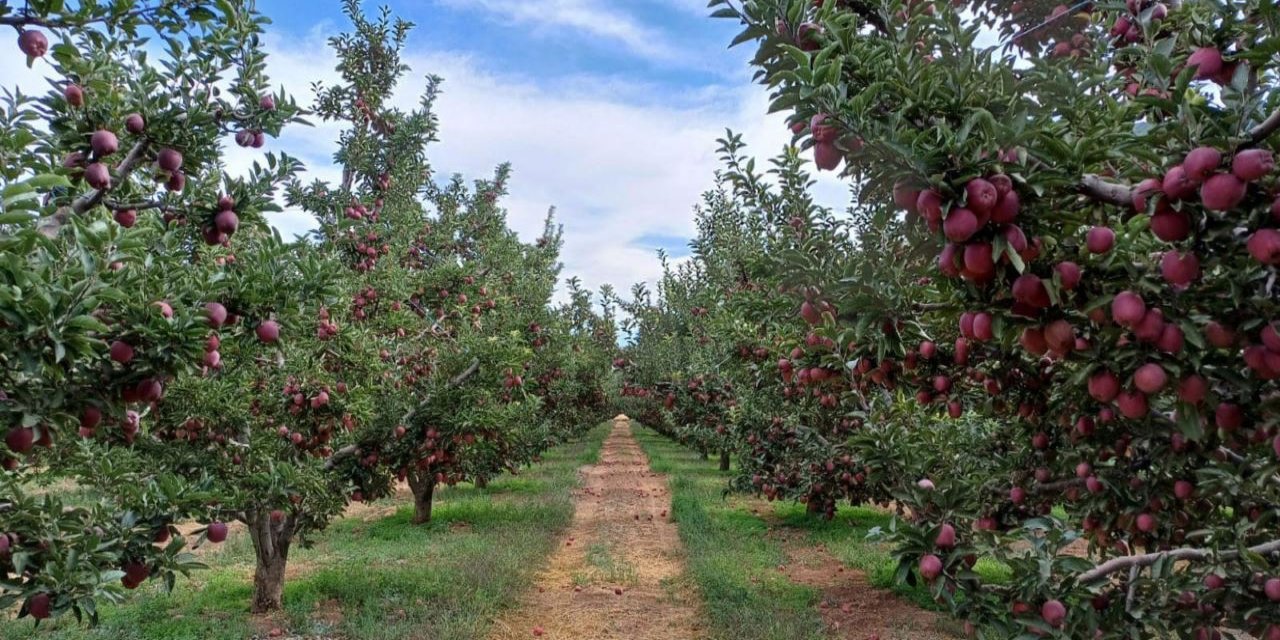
423, 485
702, 455
271, 542
482, 482
724, 460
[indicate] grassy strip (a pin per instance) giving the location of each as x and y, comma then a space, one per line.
730, 558
735, 564
376, 578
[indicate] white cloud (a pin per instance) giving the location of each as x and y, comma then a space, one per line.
593, 17
615, 165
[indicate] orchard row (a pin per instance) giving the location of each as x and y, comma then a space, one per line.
1045, 332
167, 353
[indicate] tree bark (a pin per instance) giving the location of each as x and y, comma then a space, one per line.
271, 542
482, 482
724, 460
423, 485
702, 455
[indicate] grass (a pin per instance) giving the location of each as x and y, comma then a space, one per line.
735, 562
730, 558
376, 579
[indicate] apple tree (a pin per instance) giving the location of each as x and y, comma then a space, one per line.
1095, 188
113, 182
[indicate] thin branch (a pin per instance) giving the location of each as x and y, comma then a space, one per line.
1177, 555
1265, 128
126, 167
141, 205
1098, 189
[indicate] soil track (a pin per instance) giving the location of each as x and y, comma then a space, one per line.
616, 573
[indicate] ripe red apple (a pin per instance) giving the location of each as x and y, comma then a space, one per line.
216, 314
930, 567
979, 265
1193, 389
1100, 240
177, 181
1017, 495
1146, 522
1171, 225
1177, 185
121, 352
1054, 613
960, 225
1150, 378
217, 532
1264, 246
1213, 581
73, 94
104, 143
1142, 191
1272, 588
1253, 164
33, 44
126, 218
212, 359
1029, 289
135, 124
1179, 269
982, 327
981, 196
905, 197
1220, 335
1007, 209
825, 155
1128, 309
1222, 192
268, 331
1201, 163
947, 260
267, 103
169, 160
1068, 275
1171, 339
97, 176
1132, 404
946, 537
1034, 342
39, 606
1207, 61
1228, 416
226, 221
927, 350
1183, 489
20, 440
929, 205
1104, 386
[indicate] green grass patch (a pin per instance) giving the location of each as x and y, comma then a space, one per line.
730, 559
380, 579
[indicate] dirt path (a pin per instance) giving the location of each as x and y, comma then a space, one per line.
852, 608
616, 572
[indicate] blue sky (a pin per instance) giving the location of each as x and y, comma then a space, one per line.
608, 110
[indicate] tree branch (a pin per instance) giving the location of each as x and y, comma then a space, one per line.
1177, 555
126, 167
1265, 128
1098, 189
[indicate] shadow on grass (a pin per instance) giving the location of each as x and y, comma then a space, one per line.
730, 559
385, 579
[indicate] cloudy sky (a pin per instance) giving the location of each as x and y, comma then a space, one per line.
608, 110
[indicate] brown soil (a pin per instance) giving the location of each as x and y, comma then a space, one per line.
851, 607
621, 540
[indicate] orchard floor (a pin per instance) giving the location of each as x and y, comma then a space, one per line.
617, 573
770, 571
372, 575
